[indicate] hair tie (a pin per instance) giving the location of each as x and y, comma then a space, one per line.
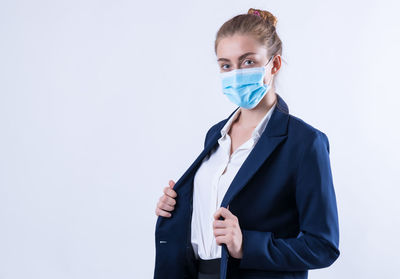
257, 13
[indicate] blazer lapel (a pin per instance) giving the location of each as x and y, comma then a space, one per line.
273, 135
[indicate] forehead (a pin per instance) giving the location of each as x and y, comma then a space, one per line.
234, 46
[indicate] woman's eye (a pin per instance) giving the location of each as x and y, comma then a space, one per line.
248, 61
224, 65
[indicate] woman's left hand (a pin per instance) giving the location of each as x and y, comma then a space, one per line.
228, 231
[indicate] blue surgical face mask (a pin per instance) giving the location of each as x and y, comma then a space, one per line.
245, 87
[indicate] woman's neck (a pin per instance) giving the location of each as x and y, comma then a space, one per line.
250, 118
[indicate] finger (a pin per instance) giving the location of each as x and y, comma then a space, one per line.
160, 212
218, 232
168, 191
171, 183
165, 206
217, 214
220, 224
226, 213
222, 211
221, 239
168, 200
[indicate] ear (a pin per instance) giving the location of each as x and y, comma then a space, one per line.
276, 64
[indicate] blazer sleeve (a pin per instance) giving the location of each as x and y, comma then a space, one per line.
317, 244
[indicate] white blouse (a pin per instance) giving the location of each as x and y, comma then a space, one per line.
211, 184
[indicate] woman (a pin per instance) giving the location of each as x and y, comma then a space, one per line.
259, 201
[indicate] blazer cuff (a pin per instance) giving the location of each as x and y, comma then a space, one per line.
252, 248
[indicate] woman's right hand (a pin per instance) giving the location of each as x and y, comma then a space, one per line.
167, 201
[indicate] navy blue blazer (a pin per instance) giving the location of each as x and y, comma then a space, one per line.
283, 197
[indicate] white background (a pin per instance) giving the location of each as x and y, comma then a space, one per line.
102, 102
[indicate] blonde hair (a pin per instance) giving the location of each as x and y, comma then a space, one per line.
258, 23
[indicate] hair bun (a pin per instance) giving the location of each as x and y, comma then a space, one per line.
267, 16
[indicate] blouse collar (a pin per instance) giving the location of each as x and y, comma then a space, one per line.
258, 130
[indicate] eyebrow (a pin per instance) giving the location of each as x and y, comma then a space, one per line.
240, 57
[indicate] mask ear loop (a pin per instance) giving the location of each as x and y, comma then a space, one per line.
265, 70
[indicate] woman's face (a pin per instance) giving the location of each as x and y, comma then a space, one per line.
243, 51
